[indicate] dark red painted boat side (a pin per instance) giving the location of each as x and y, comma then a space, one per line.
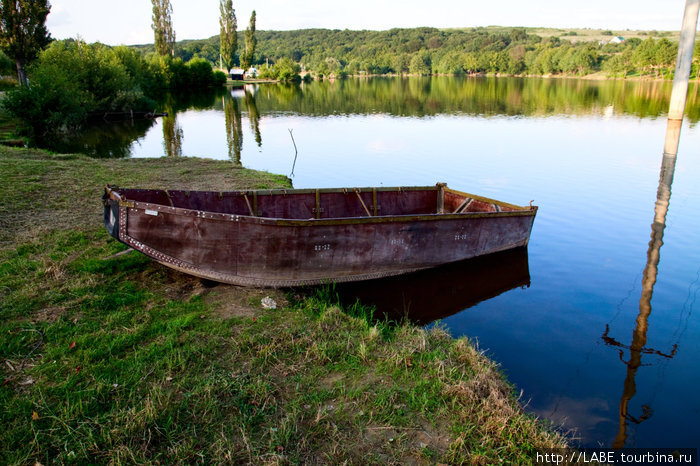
301, 237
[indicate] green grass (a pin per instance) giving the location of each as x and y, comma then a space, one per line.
63, 191
113, 358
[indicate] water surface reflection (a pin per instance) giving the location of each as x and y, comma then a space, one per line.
639, 336
414, 97
428, 295
100, 139
234, 128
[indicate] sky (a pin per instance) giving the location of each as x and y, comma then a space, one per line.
128, 22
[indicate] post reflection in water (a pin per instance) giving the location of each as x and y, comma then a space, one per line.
432, 294
663, 196
639, 336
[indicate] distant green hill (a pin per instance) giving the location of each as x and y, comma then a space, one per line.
493, 49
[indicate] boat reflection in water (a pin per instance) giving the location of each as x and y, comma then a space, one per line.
432, 294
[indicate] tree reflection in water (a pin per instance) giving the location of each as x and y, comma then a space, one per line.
416, 96
234, 127
253, 115
172, 136
230, 102
99, 139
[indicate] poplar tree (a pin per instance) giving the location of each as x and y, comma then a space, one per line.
23, 32
250, 43
163, 27
228, 39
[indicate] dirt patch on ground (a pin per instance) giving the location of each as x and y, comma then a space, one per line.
229, 301
330, 381
226, 301
48, 314
416, 442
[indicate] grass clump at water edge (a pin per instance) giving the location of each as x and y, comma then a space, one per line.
111, 357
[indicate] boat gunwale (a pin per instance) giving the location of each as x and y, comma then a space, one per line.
281, 221
136, 205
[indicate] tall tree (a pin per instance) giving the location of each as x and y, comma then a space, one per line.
163, 27
228, 38
250, 43
644, 55
665, 55
23, 31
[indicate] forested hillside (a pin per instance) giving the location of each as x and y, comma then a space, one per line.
512, 51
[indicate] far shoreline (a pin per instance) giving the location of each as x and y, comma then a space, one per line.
597, 76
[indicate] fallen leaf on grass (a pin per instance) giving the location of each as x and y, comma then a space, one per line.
35, 416
72, 345
78, 369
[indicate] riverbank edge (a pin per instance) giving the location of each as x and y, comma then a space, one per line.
111, 357
597, 76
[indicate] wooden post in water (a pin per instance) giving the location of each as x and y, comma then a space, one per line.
680, 80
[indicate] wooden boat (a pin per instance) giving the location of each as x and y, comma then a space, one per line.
291, 237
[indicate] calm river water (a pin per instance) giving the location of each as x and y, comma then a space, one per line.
595, 343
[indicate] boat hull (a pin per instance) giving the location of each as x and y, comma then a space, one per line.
277, 252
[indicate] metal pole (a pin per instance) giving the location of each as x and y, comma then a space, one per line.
680, 80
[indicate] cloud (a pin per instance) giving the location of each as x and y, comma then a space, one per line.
384, 146
59, 16
583, 416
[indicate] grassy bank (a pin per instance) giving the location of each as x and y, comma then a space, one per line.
110, 357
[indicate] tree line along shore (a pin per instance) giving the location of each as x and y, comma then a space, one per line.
496, 50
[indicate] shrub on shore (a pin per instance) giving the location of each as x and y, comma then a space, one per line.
72, 79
